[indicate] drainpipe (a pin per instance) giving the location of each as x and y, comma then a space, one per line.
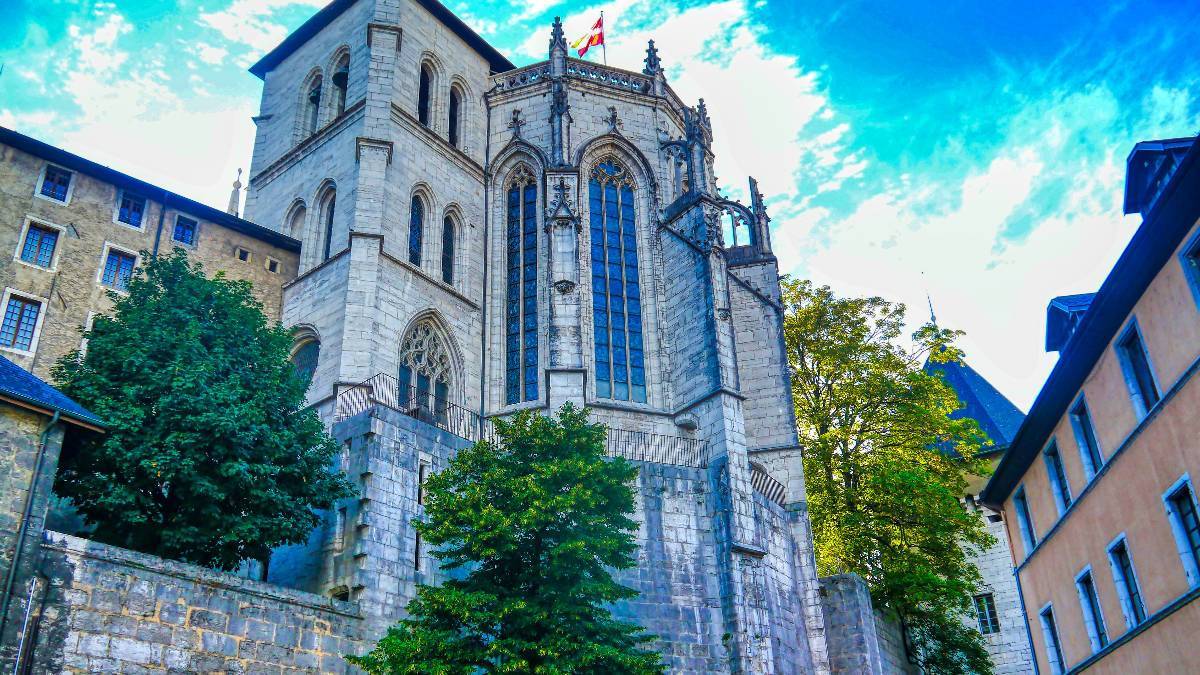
158, 232
23, 528
1024, 612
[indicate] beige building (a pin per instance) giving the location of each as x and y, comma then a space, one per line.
1097, 488
72, 229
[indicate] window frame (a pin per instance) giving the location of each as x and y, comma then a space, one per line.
1189, 557
1189, 258
981, 617
121, 194
1024, 520
1053, 638
43, 303
239, 250
1093, 623
108, 247
195, 232
1086, 448
267, 260
1136, 395
31, 221
449, 260
37, 189
1121, 583
1056, 471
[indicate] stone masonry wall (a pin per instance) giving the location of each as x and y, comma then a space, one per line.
860, 639
112, 610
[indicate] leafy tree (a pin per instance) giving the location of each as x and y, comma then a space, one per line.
885, 466
535, 519
210, 456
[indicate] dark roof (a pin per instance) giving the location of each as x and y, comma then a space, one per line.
75, 162
333, 10
1148, 168
1153, 245
996, 415
21, 385
1062, 316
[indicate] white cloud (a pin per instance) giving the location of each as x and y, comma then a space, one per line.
252, 23
211, 55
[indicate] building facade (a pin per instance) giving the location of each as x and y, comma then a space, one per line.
1096, 488
480, 239
71, 230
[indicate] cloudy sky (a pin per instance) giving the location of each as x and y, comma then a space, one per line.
970, 150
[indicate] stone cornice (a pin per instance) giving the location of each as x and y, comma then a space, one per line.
301, 150
437, 143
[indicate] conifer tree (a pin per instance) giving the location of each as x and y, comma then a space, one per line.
885, 466
535, 521
210, 455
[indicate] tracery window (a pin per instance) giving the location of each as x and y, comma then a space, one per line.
424, 375
616, 290
304, 358
521, 309
416, 228
448, 250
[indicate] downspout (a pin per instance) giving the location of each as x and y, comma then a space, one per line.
1024, 614
483, 360
23, 528
158, 232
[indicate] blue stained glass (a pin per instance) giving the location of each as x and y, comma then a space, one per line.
416, 229
521, 309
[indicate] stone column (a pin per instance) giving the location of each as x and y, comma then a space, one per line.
565, 375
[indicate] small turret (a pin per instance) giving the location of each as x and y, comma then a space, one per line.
235, 196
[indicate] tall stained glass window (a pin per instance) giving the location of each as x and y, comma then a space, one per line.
416, 230
616, 291
521, 309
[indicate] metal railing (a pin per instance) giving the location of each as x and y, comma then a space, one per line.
765, 485
385, 390
422, 404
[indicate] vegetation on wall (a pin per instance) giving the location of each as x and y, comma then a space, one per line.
534, 521
211, 456
885, 466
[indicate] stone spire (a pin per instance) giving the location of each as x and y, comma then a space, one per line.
557, 39
235, 196
653, 63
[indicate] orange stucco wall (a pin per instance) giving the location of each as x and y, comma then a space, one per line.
1126, 498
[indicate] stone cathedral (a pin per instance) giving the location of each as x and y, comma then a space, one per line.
479, 239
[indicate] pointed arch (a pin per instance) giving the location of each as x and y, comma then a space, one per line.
308, 118
452, 235
326, 201
339, 82
429, 77
306, 351
429, 368
295, 220
420, 208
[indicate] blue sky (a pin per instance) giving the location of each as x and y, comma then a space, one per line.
971, 150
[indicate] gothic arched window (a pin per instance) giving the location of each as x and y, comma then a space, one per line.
424, 374
327, 206
455, 105
448, 250
304, 358
616, 289
423, 89
521, 309
416, 228
295, 221
340, 79
312, 107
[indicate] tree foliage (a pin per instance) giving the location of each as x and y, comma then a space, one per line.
210, 456
883, 491
536, 520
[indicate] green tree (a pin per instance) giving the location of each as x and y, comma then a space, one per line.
885, 466
535, 519
210, 455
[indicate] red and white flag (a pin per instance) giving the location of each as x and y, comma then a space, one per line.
594, 38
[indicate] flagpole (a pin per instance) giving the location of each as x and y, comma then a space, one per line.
604, 44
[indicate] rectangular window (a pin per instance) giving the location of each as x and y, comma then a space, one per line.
1126, 582
56, 183
242, 254
1190, 257
39, 244
985, 612
1024, 522
131, 209
1181, 509
1135, 362
1053, 646
417, 553
339, 541
422, 474
1085, 436
185, 231
20, 322
1093, 618
118, 268
272, 266
1058, 477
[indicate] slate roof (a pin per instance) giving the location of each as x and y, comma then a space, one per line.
20, 385
1062, 316
996, 415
